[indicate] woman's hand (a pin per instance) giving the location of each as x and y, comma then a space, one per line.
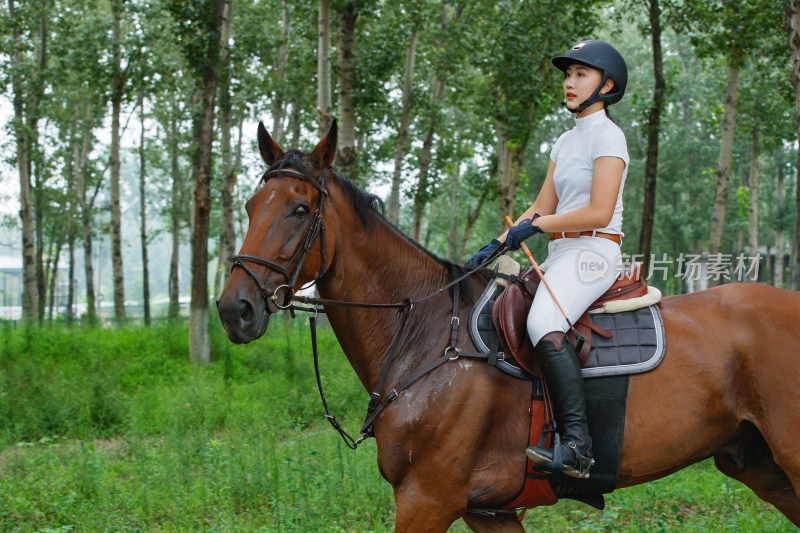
522, 231
483, 254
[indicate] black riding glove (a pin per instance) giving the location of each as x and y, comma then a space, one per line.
483, 254
520, 232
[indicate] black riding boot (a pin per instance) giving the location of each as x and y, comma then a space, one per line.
572, 445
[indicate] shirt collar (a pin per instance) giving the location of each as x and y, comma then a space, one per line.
589, 121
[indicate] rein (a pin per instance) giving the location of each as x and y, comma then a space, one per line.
317, 228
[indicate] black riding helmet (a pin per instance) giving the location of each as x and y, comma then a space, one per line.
603, 57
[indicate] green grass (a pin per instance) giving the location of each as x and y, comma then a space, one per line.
114, 430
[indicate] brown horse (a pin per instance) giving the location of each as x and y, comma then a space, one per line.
729, 385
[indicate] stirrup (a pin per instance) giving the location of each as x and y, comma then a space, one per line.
550, 460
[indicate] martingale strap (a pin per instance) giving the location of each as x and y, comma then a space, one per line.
378, 403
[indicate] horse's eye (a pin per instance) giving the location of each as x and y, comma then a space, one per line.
301, 211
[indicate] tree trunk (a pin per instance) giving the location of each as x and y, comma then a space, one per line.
452, 234
280, 68
346, 156
70, 311
45, 277
54, 280
793, 29
199, 349
227, 239
117, 85
294, 121
778, 268
85, 206
36, 155
324, 106
653, 125
175, 215
429, 229
143, 215
724, 165
38, 220
472, 216
509, 167
423, 196
30, 290
393, 211
506, 187
752, 233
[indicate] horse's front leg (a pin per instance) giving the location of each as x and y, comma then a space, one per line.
426, 507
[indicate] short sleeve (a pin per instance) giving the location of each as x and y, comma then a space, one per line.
610, 142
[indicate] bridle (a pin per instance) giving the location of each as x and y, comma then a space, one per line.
315, 228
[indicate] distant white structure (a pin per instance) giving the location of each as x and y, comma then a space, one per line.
11, 287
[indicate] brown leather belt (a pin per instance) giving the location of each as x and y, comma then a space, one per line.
575, 234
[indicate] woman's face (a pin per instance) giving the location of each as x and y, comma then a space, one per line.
580, 82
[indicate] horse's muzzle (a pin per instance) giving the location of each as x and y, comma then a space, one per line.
244, 319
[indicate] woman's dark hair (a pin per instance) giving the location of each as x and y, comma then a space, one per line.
605, 107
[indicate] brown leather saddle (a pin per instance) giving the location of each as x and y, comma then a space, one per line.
510, 313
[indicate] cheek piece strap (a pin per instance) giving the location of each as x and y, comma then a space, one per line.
283, 295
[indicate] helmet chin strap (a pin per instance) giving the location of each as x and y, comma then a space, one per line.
595, 97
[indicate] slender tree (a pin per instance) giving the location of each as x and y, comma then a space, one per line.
118, 82
346, 156
200, 30
324, 105
401, 143
278, 99
792, 26
227, 240
30, 288
143, 213
653, 131
176, 209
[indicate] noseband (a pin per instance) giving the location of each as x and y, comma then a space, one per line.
315, 228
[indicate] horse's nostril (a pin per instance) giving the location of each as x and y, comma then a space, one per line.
246, 311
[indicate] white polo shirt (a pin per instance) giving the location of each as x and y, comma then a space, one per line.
574, 153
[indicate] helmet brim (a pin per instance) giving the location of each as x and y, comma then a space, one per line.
562, 63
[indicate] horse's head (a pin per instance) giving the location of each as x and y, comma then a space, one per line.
285, 246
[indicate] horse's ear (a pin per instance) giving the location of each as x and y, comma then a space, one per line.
270, 151
325, 151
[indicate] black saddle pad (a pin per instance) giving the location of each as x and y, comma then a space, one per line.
638, 343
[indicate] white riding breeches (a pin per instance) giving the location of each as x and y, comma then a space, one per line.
578, 271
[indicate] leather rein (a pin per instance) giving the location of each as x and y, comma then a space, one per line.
284, 298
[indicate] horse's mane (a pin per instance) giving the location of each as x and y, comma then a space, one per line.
367, 206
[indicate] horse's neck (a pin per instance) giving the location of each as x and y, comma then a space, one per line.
377, 266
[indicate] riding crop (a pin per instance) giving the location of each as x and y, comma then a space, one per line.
525, 249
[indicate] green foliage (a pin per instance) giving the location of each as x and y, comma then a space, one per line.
117, 431
194, 23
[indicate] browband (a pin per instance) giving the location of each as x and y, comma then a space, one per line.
293, 173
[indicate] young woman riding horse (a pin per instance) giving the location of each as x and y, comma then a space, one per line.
580, 206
